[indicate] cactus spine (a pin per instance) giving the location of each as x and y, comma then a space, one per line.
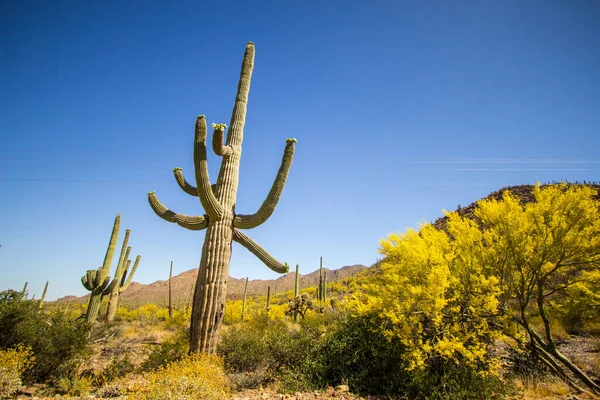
170, 291
296, 287
221, 221
43, 296
97, 281
244, 301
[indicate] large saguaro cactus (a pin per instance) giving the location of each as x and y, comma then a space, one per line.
97, 280
221, 221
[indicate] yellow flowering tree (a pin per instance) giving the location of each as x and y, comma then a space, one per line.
435, 295
447, 294
541, 250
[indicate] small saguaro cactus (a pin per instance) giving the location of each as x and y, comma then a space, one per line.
320, 289
170, 291
43, 296
268, 299
324, 293
24, 292
97, 280
244, 301
296, 287
222, 222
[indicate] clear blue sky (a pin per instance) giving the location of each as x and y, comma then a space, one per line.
401, 109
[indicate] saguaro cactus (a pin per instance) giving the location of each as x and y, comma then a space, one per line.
170, 291
97, 281
296, 287
43, 296
24, 291
221, 221
268, 299
244, 301
320, 290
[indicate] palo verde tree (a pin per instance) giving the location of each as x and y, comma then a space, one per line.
223, 225
542, 250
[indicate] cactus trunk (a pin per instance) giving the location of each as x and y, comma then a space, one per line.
268, 299
221, 222
24, 292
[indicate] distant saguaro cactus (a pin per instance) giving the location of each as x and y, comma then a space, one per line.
43, 296
97, 280
268, 299
244, 301
296, 287
221, 221
170, 291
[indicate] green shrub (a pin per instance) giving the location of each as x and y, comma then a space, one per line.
172, 349
359, 354
57, 342
263, 350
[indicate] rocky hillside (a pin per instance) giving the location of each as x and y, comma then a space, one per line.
183, 285
523, 192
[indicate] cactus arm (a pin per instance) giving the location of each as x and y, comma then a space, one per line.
235, 134
88, 279
259, 252
130, 276
217, 141
193, 223
207, 198
183, 184
108, 290
124, 254
268, 206
111, 245
124, 276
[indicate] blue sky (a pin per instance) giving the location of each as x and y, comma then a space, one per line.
401, 109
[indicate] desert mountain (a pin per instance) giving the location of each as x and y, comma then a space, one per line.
183, 286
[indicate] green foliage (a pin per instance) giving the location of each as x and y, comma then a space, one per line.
269, 351
57, 342
13, 362
171, 350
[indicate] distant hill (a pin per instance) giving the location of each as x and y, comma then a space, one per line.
523, 192
183, 285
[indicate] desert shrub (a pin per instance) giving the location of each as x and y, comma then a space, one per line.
199, 376
57, 342
358, 352
525, 365
171, 350
73, 385
265, 350
13, 362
